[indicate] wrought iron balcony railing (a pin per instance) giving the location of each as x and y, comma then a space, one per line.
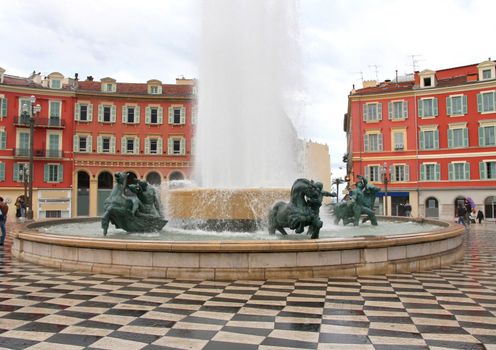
55, 122
38, 153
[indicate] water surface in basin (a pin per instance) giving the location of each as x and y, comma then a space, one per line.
169, 233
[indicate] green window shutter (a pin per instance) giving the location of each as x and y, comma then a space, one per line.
159, 90
380, 143
464, 101
407, 173
450, 138
112, 144
438, 172
434, 103
60, 169
124, 114
421, 140
46, 173
365, 142
405, 109
159, 145
183, 115
100, 113
76, 111
136, 145
421, 108
365, 112
15, 176
436, 139
89, 112
465, 137
467, 171
75, 147
2, 171
113, 114
160, 115
99, 144
183, 146
171, 115
123, 145
170, 146
479, 103
367, 172
137, 111
89, 143
3, 107
379, 111
448, 105
450, 171
481, 136
390, 110
482, 171
422, 172
3, 140
392, 176
147, 146
147, 115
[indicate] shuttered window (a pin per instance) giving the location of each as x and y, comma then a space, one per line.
427, 107
430, 172
372, 111
487, 170
458, 171
486, 102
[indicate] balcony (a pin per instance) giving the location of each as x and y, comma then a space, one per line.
398, 147
38, 153
52, 122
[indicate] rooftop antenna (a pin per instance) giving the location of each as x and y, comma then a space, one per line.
361, 75
414, 62
376, 69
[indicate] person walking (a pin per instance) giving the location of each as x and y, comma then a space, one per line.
4, 209
468, 210
408, 209
480, 216
461, 212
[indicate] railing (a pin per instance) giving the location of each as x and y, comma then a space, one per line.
40, 122
40, 153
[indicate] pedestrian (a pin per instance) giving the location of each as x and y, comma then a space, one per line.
461, 213
18, 207
480, 216
468, 210
4, 209
408, 209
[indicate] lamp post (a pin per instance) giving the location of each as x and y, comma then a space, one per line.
35, 109
25, 174
385, 180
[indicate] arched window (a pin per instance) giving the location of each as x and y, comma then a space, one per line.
490, 207
431, 207
153, 178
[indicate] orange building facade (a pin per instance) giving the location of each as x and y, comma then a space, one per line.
429, 140
87, 131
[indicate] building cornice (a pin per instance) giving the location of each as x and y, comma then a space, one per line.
35, 91
110, 96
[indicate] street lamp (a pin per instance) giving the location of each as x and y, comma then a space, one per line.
35, 109
385, 181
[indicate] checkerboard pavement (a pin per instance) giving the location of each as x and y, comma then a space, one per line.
453, 308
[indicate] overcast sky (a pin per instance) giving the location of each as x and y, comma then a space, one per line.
341, 42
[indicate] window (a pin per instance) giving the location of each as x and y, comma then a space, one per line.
106, 144
155, 90
53, 214
3, 139
19, 170
2, 171
53, 145
399, 173
430, 172
487, 135
3, 107
459, 171
456, 105
398, 141
130, 145
486, 102
109, 87
27, 102
106, 113
83, 112
486, 74
427, 107
177, 115
372, 172
397, 110
457, 137
372, 111
55, 109
176, 146
427, 82
429, 139
53, 173
487, 170
154, 115
82, 143
55, 84
372, 142
194, 115
130, 114
153, 145
23, 146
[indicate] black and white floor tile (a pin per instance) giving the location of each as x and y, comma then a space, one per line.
454, 308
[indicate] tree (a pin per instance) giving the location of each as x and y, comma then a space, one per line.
338, 181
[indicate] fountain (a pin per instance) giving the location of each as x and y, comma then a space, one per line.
247, 159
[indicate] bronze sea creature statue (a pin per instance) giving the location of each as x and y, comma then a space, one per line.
301, 211
142, 213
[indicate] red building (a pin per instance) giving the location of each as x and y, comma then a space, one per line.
429, 140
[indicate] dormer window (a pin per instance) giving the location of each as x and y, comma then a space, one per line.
154, 87
486, 74
427, 82
487, 70
55, 84
427, 79
109, 85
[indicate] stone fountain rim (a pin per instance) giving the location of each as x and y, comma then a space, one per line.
447, 230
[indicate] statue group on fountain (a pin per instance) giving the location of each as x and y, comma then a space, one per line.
305, 202
143, 213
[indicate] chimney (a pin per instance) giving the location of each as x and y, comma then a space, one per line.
89, 78
369, 83
76, 75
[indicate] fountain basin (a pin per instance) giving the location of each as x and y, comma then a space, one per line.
232, 260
